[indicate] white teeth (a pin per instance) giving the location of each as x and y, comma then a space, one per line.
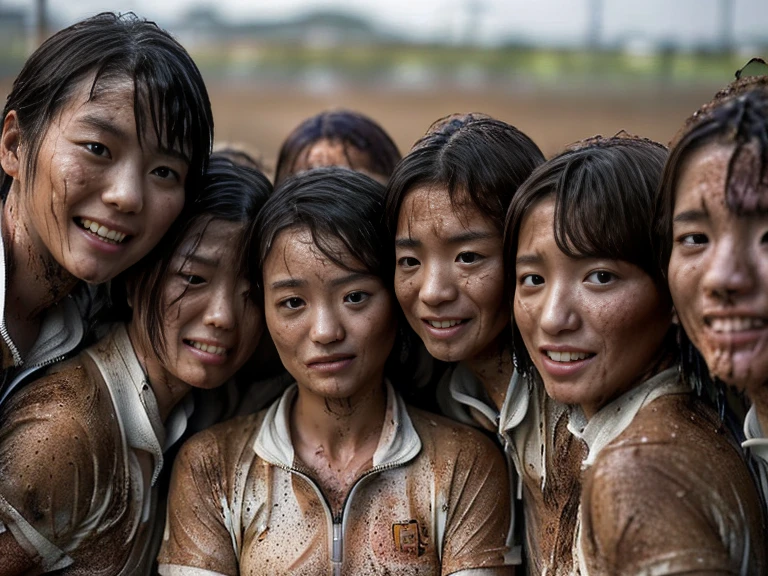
218, 350
566, 356
444, 323
103, 231
736, 324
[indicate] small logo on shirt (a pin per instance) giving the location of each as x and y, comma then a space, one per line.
407, 537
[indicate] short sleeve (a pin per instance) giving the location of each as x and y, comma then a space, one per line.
47, 475
198, 538
659, 509
477, 520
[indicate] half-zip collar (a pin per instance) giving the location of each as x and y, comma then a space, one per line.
398, 444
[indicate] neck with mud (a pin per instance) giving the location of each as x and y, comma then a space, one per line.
335, 438
494, 371
167, 388
34, 280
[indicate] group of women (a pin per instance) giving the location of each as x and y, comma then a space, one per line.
592, 328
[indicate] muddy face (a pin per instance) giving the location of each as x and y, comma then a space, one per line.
99, 200
718, 270
333, 328
592, 327
212, 325
449, 277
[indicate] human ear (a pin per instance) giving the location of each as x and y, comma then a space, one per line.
10, 143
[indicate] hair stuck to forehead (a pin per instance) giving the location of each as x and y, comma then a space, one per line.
736, 116
339, 208
169, 95
604, 193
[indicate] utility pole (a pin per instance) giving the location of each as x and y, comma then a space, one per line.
41, 21
725, 13
594, 23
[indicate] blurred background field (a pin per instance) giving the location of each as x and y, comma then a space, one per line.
560, 70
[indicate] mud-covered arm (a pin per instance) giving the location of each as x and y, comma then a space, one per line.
650, 510
477, 520
198, 539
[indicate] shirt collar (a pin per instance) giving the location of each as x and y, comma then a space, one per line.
465, 389
132, 394
613, 418
398, 443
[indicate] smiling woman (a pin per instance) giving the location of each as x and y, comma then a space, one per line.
713, 216
339, 476
105, 135
82, 447
614, 446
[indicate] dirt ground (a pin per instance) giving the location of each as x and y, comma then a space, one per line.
262, 116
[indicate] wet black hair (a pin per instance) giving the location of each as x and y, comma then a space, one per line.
335, 205
340, 205
229, 192
604, 192
480, 159
736, 116
353, 130
169, 92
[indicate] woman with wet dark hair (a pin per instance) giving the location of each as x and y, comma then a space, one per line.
713, 217
338, 138
105, 136
624, 469
445, 208
339, 476
81, 448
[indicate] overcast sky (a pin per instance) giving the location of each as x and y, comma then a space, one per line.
551, 21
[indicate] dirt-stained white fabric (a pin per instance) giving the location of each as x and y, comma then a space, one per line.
435, 502
79, 450
62, 329
756, 445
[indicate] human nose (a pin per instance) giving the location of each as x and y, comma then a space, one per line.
730, 270
125, 191
558, 313
438, 285
220, 312
326, 326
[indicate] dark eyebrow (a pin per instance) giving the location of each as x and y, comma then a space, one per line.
349, 278
407, 243
198, 259
287, 283
106, 126
468, 236
691, 216
528, 259
103, 125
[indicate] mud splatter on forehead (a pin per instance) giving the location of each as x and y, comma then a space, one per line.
746, 189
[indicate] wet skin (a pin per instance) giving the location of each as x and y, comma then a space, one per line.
718, 273
450, 271
334, 330
91, 166
606, 316
212, 324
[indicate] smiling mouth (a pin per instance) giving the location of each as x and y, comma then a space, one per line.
444, 323
735, 324
567, 356
210, 348
104, 233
